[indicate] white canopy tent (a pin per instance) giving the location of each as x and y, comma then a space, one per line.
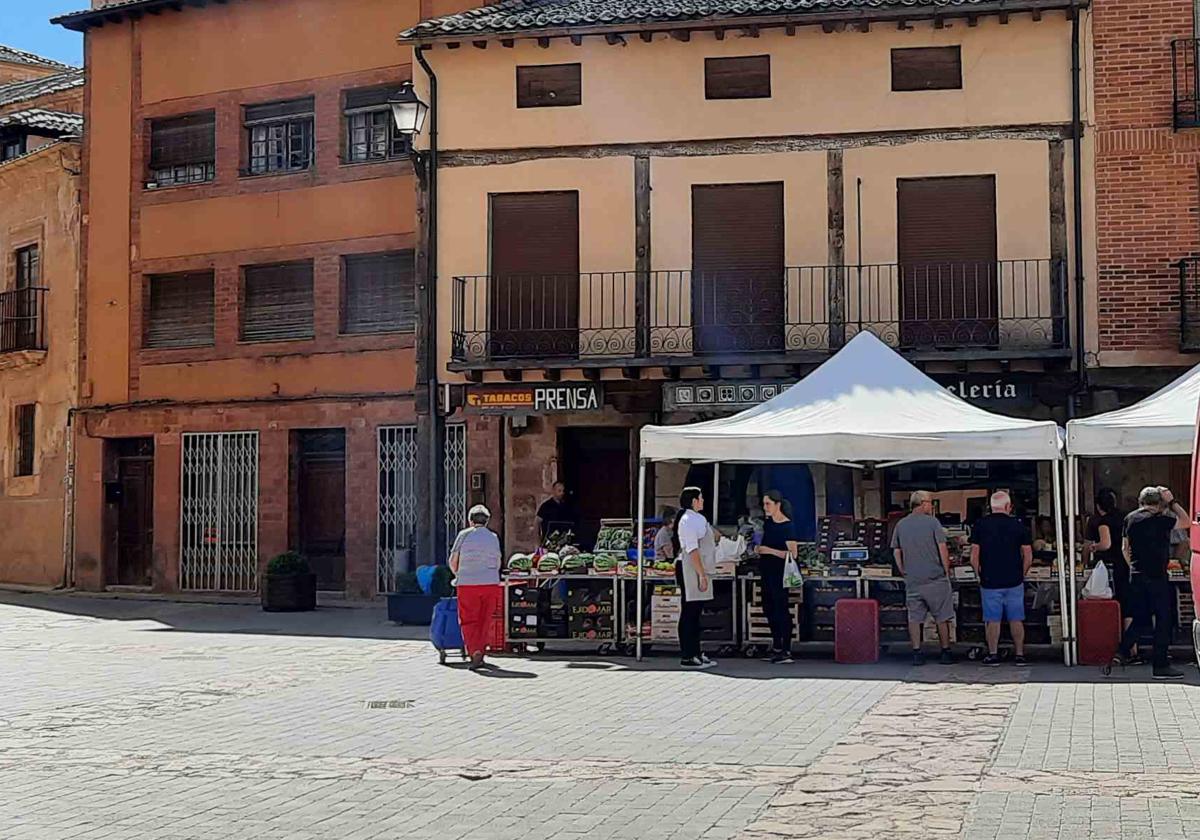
1162, 424
866, 404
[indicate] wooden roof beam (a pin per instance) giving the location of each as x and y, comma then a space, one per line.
646, 36
479, 45
683, 35
614, 40
544, 43
507, 43
750, 31
719, 34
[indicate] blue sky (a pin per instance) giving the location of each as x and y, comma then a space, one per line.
25, 24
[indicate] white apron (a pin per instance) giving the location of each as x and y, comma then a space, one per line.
708, 556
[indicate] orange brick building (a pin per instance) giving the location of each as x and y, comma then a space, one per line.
247, 371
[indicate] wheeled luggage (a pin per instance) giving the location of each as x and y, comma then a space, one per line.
444, 630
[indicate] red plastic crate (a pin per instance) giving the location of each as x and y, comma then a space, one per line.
1099, 630
856, 631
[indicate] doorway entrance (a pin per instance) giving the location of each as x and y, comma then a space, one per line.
320, 504
595, 468
135, 511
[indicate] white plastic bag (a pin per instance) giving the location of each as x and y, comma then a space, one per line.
792, 579
1098, 585
728, 549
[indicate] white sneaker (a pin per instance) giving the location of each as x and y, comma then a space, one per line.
709, 662
696, 664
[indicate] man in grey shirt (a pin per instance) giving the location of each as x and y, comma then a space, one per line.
919, 546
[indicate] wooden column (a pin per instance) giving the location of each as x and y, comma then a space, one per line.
1058, 242
836, 275
641, 207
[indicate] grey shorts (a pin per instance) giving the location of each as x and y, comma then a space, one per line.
934, 597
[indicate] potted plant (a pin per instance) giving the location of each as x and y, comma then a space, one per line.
410, 604
289, 584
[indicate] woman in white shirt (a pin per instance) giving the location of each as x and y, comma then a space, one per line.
696, 560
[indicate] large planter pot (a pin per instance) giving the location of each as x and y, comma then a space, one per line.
289, 593
411, 609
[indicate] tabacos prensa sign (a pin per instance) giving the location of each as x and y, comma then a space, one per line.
535, 398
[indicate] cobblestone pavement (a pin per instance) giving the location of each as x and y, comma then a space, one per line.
146, 719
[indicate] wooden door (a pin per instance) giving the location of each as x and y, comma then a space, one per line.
737, 268
949, 294
135, 512
321, 505
596, 470
534, 286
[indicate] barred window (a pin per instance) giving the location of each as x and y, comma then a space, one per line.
26, 416
183, 149
277, 302
371, 132
180, 311
280, 136
377, 293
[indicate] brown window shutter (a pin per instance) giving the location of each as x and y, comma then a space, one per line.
372, 97
549, 85
744, 77
182, 140
26, 436
378, 293
181, 310
271, 111
927, 68
277, 303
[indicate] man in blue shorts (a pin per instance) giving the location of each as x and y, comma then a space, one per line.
1002, 552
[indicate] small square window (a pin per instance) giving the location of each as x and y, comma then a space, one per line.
180, 310
549, 85
277, 302
279, 137
927, 68
743, 77
378, 293
371, 132
183, 149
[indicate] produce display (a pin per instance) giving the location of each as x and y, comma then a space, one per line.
520, 563
549, 563
604, 564
614, 539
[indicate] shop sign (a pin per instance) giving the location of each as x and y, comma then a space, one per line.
535, 398
990, 389
720, 396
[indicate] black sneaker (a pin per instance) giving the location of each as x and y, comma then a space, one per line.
1166, 672
783, 658
695, 664
769, 655
947, 658
918, 657
1135, 659
1020, 661
991, 660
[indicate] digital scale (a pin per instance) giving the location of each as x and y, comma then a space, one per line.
847, 553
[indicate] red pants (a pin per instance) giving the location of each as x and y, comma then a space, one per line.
477, 609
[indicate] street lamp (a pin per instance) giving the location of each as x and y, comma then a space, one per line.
408, 110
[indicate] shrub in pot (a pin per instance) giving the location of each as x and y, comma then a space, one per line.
289, 584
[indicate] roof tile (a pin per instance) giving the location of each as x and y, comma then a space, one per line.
33, 88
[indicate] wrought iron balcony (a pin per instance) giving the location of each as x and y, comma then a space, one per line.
1189, 305
1185, 78
23, 320
977, 308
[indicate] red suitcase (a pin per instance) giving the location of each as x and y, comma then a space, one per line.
1099, 630
856, 631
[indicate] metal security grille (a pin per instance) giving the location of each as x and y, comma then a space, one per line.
456, 480
397, 499
218, 545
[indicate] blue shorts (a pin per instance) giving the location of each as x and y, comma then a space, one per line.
998, 602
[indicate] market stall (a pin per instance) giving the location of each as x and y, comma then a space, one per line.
1164, 423
865, 406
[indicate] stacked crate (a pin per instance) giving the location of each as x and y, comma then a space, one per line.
758, 630
590, 610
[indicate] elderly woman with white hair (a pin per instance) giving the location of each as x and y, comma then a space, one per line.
475, 561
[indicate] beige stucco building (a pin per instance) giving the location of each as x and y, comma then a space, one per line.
40, 124
680, 214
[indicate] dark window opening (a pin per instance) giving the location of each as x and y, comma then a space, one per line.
377, 293
180, 312
13, 146
549, 85
277, 302
927, 68
744, 77
371, 132
29, 267
26, 414
183, 150
279, 136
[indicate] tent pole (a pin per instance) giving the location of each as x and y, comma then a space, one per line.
1073, 512
1062, 579
716, 491
637, 535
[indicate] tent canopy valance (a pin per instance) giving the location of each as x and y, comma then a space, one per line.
865, 404
1162, 424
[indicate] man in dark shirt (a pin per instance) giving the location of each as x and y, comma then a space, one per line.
1002, 552
556, 513
1147, 547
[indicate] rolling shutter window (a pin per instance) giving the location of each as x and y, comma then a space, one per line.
183, 140
180, 313
946, 220
549, 85
277, 303
927, 68
745, 77
273, 111
377, 293
738, 228
376, 97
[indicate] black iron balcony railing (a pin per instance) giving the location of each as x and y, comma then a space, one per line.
1010, 305
1189, 305
1185, 78
23, 320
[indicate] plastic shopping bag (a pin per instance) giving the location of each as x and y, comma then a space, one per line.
792, 579
1098, 585
728, 549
